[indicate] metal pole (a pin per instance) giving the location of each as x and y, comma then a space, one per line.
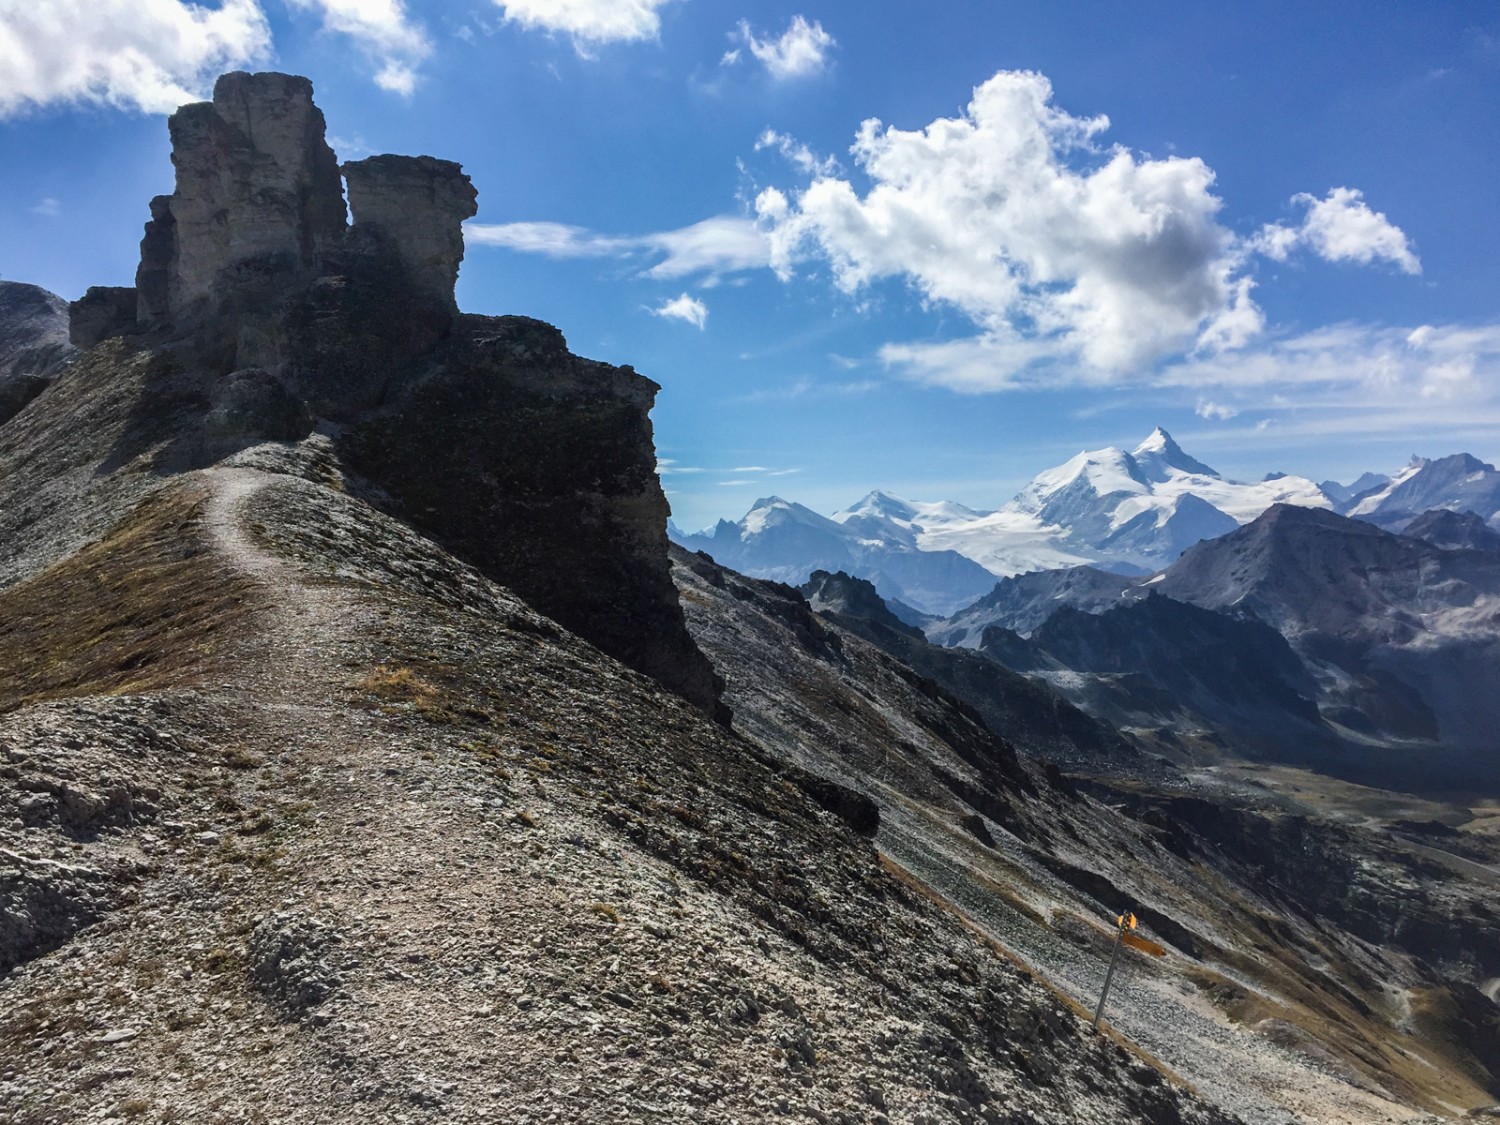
1108, 977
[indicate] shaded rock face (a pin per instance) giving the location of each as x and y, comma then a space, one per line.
1160, 662
268, 312
1021, 711
103, 312
1454, 531
418, 204
33, 343
539, 468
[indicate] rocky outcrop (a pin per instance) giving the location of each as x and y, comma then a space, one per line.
539, 468
257, 229
417, 206
258, 205
102, 312
270, 312
33, 343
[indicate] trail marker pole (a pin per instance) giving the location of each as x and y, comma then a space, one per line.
1122, 923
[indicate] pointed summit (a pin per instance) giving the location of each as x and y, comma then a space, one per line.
1159, 453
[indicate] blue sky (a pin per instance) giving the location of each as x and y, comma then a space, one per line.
876, 244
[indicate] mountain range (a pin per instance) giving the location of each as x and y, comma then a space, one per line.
1126, 512
1304, 634
368, 753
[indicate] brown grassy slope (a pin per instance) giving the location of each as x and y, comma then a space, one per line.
145, 607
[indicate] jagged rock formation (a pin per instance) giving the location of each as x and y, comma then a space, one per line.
419, 205
258, 210
269, 311
33, 343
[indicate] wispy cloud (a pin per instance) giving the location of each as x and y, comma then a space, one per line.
47, 208
1441, 381
809, 388
667, 467
797, 154
1219, 410
383, 31
720, 245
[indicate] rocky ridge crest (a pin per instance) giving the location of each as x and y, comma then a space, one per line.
267, 315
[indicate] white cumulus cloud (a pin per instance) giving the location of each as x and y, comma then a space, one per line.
1340, 227
588, 22
1051, 247
383, 31
147, 55
800, 52
687, 308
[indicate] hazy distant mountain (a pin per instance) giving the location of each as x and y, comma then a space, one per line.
1345, 494
786, 542
1457, 483
1399, 638
1454, 531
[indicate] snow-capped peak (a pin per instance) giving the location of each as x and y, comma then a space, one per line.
886, 507
879, 503
1159, 454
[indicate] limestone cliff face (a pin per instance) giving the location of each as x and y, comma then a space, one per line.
272, 312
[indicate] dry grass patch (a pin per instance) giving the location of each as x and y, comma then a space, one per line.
146, 607
399, 685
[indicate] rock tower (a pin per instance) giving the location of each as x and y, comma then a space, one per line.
258, 219
273, 312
